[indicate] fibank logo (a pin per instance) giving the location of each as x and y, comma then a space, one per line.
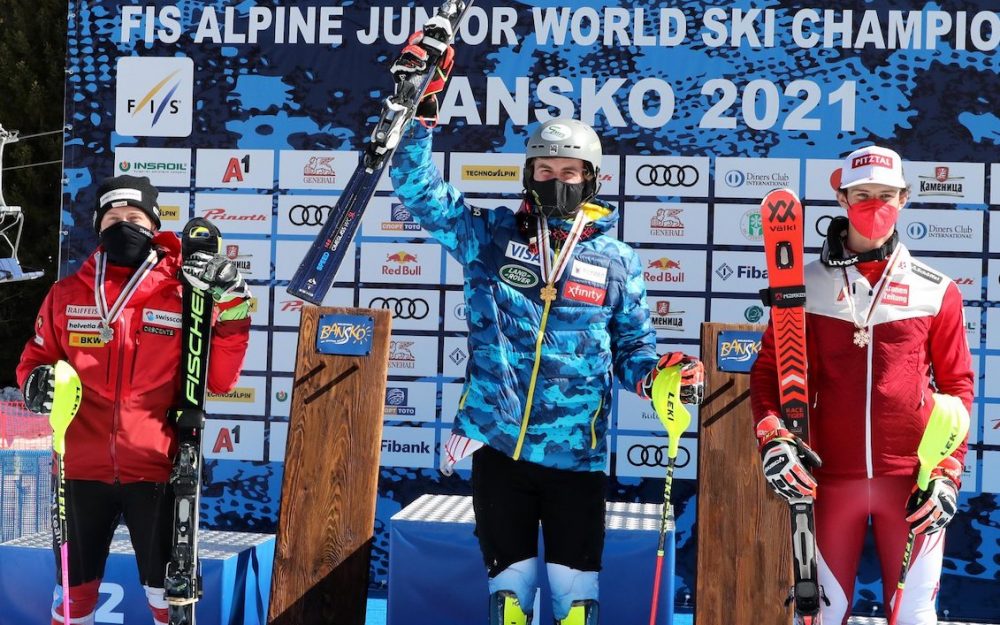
154, 96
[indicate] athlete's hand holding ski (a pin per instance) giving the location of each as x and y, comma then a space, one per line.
692, 377
219, 277
787, 460
422, 47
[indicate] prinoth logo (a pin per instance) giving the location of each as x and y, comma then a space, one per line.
221, 214
241, 395
152, 167
242, 261
665, 319
491, 172
663, 269
941, 184
401, 354
400, 218
401, 263
667, 223
291, 305
319, 170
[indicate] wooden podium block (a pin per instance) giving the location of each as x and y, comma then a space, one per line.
744, 543
327, 518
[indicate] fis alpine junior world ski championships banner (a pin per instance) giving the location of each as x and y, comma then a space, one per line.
253, 114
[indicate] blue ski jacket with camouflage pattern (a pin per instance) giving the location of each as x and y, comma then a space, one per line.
539, 379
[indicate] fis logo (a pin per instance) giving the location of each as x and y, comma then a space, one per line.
154, 96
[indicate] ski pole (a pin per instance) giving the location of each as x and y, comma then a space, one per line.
66, 396
945, 431
675, 418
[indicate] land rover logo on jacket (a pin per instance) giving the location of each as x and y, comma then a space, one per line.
518, 276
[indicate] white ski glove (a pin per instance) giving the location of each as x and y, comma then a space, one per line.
787, 460
930, 511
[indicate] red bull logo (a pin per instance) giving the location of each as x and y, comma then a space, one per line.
401, 257
666, 270
663, 264
405, 264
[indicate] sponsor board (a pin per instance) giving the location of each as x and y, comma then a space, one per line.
993, 281
248, 397
991, 471
283, 348
976, 378
973, 327
945, 182
290, 254
937, 230
666, 176
235, 213
636, 413
234, 169
408, 447
676, 317
401, 263
666, 224
281, 398
754, 177
385, 184
970, 474
257, 352
672, 269
991, 425
818, 222
451, 396
609, 178
732, 310
967, 273
821, 174
388, 217
454, 273
315, 169
410, 401
738, 224
165, 167
154, 96
738, 272
174, 210
992, 329
304, 214
410, 309
252, 257
232, 439
288, 308
646, 456
455, 312
456, 356
486, 173
413, 356
994, 185
277, 441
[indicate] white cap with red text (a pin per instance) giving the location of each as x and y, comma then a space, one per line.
872, 165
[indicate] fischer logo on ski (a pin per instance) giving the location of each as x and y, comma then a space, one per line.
784, 234
315, 274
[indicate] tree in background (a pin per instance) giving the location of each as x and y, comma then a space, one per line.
33, 49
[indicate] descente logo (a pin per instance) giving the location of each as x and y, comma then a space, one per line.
491, 172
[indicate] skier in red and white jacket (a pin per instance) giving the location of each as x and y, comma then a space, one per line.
117, 321
884, 332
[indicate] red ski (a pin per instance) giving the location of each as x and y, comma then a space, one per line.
784, 235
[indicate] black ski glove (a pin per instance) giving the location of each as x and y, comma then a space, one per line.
39, 389
217, 275
427, 50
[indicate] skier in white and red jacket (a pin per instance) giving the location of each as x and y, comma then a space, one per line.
117, 321
884, 332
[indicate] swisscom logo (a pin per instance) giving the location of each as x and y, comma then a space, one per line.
154, 96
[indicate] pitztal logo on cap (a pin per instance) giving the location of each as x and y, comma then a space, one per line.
873, 160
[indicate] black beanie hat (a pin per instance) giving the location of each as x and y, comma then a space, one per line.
126, 191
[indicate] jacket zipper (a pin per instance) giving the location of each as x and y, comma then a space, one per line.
868, 406
116, 422
531, 385
593, 425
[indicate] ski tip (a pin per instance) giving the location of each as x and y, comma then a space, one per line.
783, 192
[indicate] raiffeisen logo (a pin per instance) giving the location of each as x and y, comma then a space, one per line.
154, 96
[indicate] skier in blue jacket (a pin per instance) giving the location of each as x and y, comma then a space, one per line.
556, 307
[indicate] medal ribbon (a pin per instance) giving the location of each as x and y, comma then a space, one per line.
880, 287
110, 316
552, 268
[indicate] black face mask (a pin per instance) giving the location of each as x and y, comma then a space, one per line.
555, 198
126, 243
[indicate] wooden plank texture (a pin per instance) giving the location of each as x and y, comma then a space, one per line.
744, 544
329, 489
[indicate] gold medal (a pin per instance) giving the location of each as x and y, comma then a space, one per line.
548, 293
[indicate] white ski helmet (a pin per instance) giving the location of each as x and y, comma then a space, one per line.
564, 138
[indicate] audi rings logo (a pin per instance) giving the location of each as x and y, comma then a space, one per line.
656, 456
667, 175
308, 214
402, 307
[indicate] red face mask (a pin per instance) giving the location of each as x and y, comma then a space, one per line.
873, 219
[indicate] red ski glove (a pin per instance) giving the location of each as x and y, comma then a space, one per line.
426, 48
786, 460
692, 377
930, 511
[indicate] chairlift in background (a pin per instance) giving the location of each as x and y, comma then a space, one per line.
11, 224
